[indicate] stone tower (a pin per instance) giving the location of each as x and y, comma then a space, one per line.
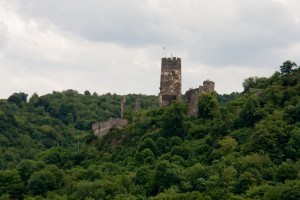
170, 81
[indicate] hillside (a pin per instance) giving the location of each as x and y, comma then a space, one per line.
242, 146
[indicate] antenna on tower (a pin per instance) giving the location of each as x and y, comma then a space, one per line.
165, 51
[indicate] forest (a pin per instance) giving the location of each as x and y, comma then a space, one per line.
242, 146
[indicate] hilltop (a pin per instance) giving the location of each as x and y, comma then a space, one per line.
240, 146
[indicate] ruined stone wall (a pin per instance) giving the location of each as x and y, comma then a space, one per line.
100, 129
123, 102
137, 105
170, 81
192, 96
193, 99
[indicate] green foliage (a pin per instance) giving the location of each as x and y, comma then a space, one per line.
287, 68
228, 144
242, 146
293, 145
48, 179
11, 184
208, 105
166, 175
18, 98
255, 82
173, 120
27, 167
249, 114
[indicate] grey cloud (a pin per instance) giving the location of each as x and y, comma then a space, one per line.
251, 37
102, 39
127, 22
3, 35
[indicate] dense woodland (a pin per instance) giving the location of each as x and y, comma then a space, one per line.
242, 146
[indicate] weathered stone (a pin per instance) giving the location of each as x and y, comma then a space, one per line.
100, 129
192, 96
137, 105
208, 86
193, 99
170, 81
123, 101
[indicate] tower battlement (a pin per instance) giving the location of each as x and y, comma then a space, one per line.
208, 86
171, 63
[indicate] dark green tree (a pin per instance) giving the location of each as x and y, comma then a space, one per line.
208, 105
11, 183
173, 120
45, 180
287, 68
18, 98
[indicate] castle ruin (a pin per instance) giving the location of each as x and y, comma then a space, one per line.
170, 86
100, 129
170, 90
170, 81
137, 104
192, 96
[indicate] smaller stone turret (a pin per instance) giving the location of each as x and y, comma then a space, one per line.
192, 96
208, 86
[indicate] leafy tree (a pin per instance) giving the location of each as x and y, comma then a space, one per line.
293, 145
290, 191
148, 143
228, 144
18, 98
27, 167
270, 136
249, 114
173, 120
166, 175
208, 105
287, 68
87, 93
286, 171
48, 179
11, 183
33, 98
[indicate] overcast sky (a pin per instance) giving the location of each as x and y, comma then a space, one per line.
116, 45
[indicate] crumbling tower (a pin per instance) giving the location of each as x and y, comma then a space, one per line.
170, 81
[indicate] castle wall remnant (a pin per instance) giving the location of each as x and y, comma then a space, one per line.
137, 105
123, 101
192, 96
100, 129
170, 81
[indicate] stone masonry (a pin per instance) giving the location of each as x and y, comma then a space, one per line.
192, 96
123, 101
170, 81
137, 105
100, 129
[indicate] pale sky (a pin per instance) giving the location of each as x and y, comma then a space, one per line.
116, 45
